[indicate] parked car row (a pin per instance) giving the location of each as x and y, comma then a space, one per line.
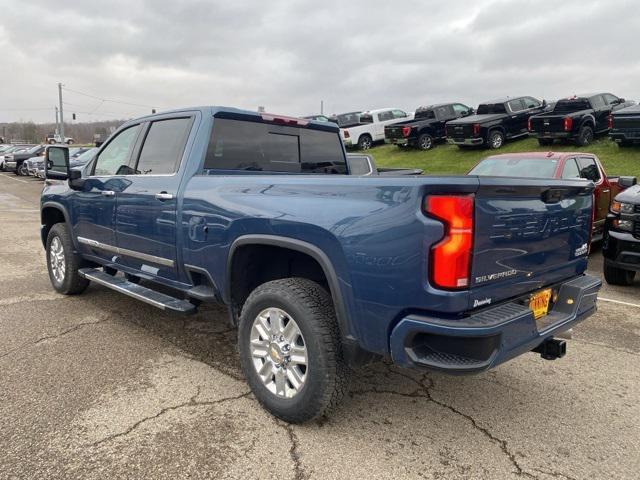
578, 119
26, 160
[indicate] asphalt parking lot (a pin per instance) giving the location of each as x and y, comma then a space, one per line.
102, 386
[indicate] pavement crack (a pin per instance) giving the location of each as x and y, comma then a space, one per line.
555, 474
609, 347
192, 402
76, 327
426, 384
298, 468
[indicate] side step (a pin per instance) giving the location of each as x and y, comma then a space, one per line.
147, 295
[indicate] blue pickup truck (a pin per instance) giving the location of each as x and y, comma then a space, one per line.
321, 268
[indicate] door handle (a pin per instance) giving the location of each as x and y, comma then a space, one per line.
164, 196
108, 193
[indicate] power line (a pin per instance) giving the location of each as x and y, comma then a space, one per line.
110, 100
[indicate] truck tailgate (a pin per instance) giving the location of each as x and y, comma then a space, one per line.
547, 123
529, 233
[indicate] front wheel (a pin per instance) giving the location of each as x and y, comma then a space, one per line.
290, 349
63, 264
618, 276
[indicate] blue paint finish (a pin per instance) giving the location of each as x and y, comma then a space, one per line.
372, 231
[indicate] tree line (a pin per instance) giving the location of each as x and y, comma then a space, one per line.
81, 132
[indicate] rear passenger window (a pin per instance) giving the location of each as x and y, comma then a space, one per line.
589, 169
570, 169
516, 105
163, 147
255, 146
384, 116
597, 102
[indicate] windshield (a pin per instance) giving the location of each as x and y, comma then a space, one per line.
516, 167
86, 156
489, 108
33, 149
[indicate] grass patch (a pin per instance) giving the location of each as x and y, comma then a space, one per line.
449, 159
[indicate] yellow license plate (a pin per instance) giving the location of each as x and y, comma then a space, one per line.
539, 303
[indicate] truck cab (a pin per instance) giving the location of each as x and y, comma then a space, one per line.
370, 127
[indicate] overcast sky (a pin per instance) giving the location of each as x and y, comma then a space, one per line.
289, 55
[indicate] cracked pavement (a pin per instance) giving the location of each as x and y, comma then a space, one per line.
100, 385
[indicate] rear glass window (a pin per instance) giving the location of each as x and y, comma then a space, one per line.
516, 167
366, 118
425, 113
489, 108
573, 105
254, 146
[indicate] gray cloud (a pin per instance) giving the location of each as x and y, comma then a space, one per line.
288, 56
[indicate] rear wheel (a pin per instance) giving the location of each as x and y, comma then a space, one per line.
545, 141
585, 136
496, 139
290, 349
425, 142
63, 263
365, 142
618, 276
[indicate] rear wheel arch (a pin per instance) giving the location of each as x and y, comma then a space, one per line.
242, 246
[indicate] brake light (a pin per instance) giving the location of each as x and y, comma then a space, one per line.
476, 129
529, 127
268, 117
450, 259
568, 124
346, 134
610, 122
406, 131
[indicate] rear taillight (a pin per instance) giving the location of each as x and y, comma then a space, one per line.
346, 134
450, 260
610, 122
406, 131
568, 124
529, 127
476, 129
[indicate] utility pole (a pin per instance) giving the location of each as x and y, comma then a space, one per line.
321, 107
61, 114
57, 132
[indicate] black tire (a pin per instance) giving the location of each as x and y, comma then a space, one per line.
495, 140
365, 142
618, 276
544, 142
425, 142
51, 142
326, 373
71, 282
69, 142
23, 170
585, 136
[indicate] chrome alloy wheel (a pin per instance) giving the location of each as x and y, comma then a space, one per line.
56, 259
279, 352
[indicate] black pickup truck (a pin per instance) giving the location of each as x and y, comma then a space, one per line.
578, 118
494, 122
621, 244
427, 127
625, 126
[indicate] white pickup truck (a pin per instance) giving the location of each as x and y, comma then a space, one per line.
370, 128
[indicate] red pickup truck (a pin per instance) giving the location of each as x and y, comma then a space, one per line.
560, 165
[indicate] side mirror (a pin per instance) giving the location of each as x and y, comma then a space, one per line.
56, 163
621, 100
544, 103
626, 182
